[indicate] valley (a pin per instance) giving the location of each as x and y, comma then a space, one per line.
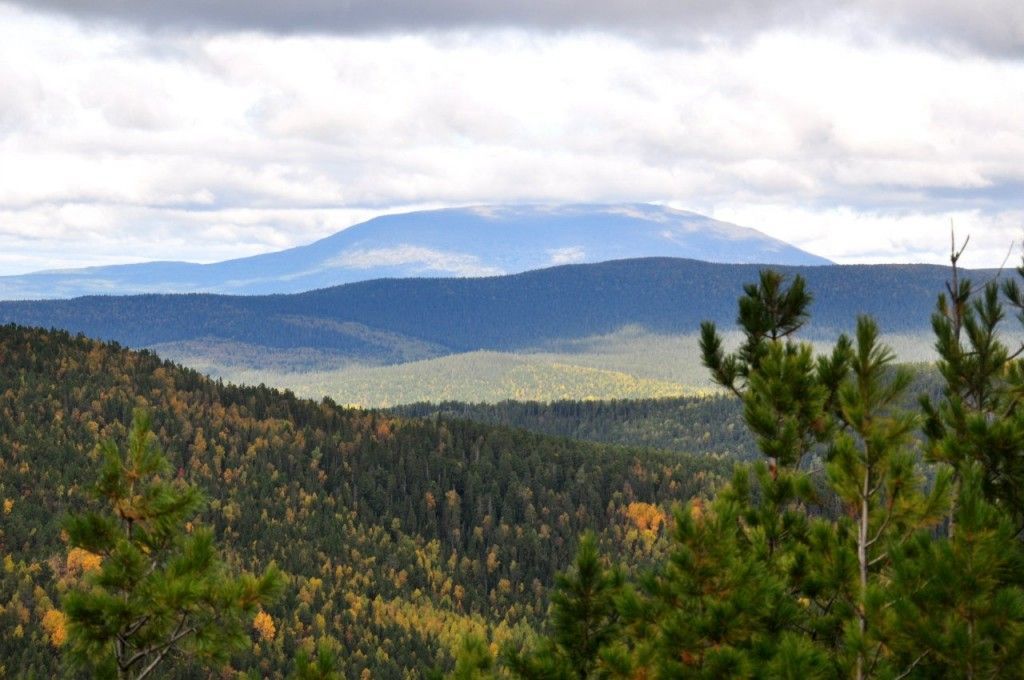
399, 535
619, 329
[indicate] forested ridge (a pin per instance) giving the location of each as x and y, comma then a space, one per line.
400, 536
703, 425
391, 320
706, 425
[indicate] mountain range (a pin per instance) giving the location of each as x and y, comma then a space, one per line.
459, 242
396, 320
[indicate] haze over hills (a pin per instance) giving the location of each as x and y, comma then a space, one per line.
458, 242
624, 328
395, 320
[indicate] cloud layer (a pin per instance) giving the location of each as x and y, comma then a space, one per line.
987, 26
124, 144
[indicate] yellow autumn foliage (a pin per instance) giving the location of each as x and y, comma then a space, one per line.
55, 625
80, 561
264, 625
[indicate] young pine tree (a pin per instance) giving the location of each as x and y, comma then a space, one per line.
960, 606
853, 574
873, 470
161, 589
979, 418
584, 619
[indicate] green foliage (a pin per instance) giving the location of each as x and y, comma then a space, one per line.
961, 607
322, 665
769, 312
161, 588
474, 661
708, 426
888, 567
979, 419
786, 394
398, 535
583, 620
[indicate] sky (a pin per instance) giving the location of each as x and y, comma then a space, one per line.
201, 130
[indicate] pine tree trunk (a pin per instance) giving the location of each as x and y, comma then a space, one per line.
862, 560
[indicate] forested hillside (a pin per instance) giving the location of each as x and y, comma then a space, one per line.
704, 425
614, 330
400, 535
390, 320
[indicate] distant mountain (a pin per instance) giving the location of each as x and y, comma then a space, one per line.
397, 320
461, 242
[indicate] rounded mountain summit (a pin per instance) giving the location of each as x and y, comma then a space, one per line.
454, 242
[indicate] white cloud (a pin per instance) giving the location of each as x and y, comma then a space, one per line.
847, 236
120, 145
570, 255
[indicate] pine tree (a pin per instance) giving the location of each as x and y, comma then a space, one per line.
584, 619
787, 573
474, 661
960, 610
979, 419
322, 665
873, 471
161, 589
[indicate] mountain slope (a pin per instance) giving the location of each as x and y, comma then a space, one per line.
392, 320
481, 241
400, 535
618, 329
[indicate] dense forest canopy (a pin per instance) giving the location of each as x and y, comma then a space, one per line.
393, 320
400, 535
699, 425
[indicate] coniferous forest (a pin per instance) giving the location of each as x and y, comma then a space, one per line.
533, 340
873, 535
398, 537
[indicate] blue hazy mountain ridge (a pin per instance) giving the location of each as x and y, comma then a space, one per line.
393, 320
457, 242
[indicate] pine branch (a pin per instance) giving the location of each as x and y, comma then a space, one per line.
913, 665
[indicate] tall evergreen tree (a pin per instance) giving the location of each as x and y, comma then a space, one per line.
855, 574
979, 419
161, 588
873, 470
959, 605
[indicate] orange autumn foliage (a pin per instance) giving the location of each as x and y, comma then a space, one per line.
645, 516
697, 510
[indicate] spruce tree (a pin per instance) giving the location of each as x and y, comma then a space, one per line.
161, 590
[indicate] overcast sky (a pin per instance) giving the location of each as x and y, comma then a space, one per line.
208, 129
